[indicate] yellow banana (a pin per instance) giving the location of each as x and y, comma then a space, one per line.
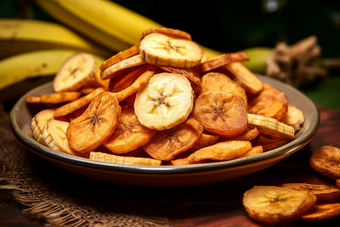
257, 58
18, 36
33, 64
112, 21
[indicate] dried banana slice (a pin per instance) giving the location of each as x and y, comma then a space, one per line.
274, 205
325, 160
129, 133
221, 113
75, 72
321, 212
167, 144
165, 101
253, 151
167, 31
322, 192
221, 82
252, 134
110, 158
293, 117
54, 98
38, 122
206, 139
88, 131
222, 151
163, 50
54, 134
271, 127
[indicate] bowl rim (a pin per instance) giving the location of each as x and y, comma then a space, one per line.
284, 150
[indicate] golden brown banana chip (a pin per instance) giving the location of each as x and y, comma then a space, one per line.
269, 144
322, 192
221, 60
221, 113
76, 104
253, 151
243, 76
293, 117
222, 151
54, 98
274, 205
134, 50
189, 73
270, 102
251, 135
321, 212
88, 131
129, 133
221, 82
169, 143
206, 139
325, 160
97, 81
167, 31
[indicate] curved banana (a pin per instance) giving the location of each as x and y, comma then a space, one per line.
18, 36
257, 58
34, 64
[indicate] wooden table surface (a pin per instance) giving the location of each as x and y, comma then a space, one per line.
217, 204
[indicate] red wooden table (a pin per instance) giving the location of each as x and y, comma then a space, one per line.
217, 204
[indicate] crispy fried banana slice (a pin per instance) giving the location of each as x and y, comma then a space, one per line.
222, 151
274, 205
252, 134
321, 212
221, 60
163, 50
54, 98
75, 72
38, 122
76, 104
253, 151
271, 127
221, 82
110, 158
326, 160
167, 144
322, 192
221, 113
129, 133
206, 139
167, 31
270, 144
293, 117
88, 131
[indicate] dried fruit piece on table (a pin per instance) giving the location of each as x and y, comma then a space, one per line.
88, 131
167, 31
110, 158
293, 117
221, 113
165, 101
271, 127
75, 72
167, 144
222, 151
326, 160
321, 212
54, 98
54, 134
322, 192
221, 82
274, 205
129, 133
163, 50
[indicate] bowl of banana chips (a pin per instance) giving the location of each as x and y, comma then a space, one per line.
163, 114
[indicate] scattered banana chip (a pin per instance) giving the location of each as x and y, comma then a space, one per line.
274, 205
75, 72
321, 212
163, 50
221, 113
129, 133
167, 144
54, 98
326, 160
293, 117
322, 192
88, 131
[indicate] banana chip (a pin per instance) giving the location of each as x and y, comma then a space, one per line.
54, 98
325, 160
321, 212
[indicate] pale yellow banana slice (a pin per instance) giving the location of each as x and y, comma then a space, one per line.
165, 101
293, 117
274, 205
271, 127
38, 122
163, 50
54, 134
103, 157
75, 72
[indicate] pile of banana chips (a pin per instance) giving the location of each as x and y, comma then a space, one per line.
163, 102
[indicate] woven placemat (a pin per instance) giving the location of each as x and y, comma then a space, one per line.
65, 199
